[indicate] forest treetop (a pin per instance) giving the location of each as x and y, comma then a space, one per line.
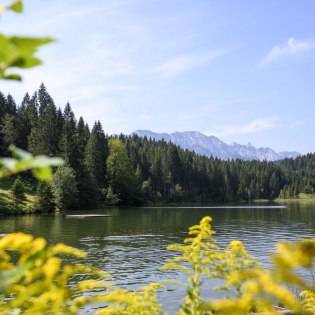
134, 170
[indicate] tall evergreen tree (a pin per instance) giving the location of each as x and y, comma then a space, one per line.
3, 106
44, 99
44, 198
11, 105
68, 142
3, 112
88, 196
17, 194
24, 123
96, 153
9, 131
8, 123
33, 108
44, 137
83, 134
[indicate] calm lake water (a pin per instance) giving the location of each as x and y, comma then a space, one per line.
131, 245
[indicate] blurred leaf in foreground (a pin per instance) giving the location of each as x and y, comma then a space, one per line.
15, 6
24, 161
19, 52
16, 51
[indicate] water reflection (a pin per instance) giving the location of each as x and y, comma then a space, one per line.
131, 244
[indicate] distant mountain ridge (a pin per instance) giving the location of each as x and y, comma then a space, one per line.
213, 146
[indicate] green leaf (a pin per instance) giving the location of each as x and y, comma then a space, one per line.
19, 52
43, 173
19, 154
17, 6
16, 77
24, 161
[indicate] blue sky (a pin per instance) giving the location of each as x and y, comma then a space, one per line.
240, 70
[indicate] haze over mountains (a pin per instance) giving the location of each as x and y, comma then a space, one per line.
213, 146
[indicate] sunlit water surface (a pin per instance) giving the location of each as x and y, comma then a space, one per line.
131, 244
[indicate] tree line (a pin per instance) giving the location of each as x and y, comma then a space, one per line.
109, 170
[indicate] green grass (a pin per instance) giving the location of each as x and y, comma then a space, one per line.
6, 203
303, 198
306, 196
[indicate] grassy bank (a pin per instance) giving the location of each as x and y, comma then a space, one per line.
303, 198
7, 204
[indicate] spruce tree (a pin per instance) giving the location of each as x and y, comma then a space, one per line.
44, 99
3, 106
88, 197
44, 198
83, 134
44, 137
11, 105
32, 109
68, 142
96, 153
8, 123
2, 111
9, 132
23, 124
17, 194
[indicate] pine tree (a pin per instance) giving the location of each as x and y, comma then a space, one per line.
8, 123
44, 137
18, 194
11, 105
32, 110
3, 106
44, 198
68, 141
2, 114
174, 164
23, 123
83, 134
44, 99
9, 132
96, 153
88, 195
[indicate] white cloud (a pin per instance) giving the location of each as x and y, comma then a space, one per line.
292, 47
255, 126
186, 62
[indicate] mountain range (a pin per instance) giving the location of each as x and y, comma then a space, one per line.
213, 146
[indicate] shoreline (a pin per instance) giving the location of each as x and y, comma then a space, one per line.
7, 212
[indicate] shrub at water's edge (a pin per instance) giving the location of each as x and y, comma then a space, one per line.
39, 281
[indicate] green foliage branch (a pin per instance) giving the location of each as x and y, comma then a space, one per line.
24, 161
18, 51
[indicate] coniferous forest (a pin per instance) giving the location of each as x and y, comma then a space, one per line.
123, 170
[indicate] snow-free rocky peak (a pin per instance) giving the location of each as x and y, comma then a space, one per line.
213, 146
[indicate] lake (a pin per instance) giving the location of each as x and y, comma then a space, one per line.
131, 244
